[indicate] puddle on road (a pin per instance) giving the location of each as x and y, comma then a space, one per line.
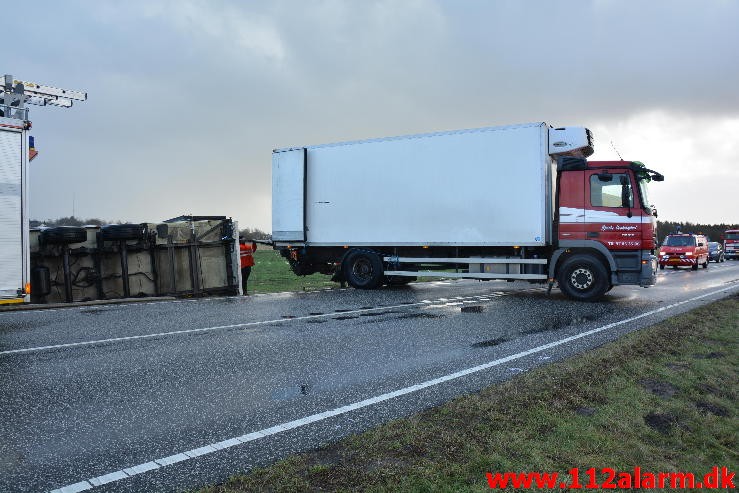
472, 309
491, 342
420, 315
292, 392
558, 322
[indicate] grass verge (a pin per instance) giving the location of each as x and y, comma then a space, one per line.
663, 398
271, 274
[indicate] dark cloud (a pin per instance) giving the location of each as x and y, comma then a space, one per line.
187, 99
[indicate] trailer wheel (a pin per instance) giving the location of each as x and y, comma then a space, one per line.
583, 277
123, 231
61, 235
363, 269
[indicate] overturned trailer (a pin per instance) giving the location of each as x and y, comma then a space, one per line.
184, 256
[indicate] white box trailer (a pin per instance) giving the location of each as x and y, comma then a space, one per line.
484, 203
418, 190
14, 249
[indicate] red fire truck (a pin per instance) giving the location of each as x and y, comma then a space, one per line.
731, 243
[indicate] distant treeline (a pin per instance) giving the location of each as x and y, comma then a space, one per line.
71, 221
713, 231
255, 234
251, 233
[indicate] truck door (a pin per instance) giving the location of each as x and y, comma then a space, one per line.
12, 246
612, 215
288, 195
571, 206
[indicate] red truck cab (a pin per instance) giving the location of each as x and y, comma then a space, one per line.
731, 243
684, 250
604, 211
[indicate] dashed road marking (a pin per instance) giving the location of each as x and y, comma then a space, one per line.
223, 327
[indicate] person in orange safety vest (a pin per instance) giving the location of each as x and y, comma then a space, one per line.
246, 254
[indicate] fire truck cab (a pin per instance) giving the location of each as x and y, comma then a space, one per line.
684, 250
731, 243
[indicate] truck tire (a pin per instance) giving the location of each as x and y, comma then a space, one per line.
363, 269
695, 265
583, 277
123, 231
61, 235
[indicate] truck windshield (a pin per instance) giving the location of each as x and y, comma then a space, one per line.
678, 241
732, 236
644, 196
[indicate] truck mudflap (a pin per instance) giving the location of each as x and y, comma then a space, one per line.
648, 270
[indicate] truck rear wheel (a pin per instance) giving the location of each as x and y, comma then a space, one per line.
583, 277
363, 269
123, 231
62, 235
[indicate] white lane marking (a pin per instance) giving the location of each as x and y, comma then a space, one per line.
314, 418
108, 478
141, 468
74, 488
210, 329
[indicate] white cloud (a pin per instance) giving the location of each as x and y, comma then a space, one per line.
697, 155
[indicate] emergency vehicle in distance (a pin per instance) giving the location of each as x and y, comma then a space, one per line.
684, 250
731, 243
517, 202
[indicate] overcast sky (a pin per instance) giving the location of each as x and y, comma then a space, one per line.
188, 98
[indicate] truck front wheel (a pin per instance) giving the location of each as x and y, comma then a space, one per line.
363, 269
583, 278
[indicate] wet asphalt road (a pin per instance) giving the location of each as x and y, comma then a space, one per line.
86, 393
